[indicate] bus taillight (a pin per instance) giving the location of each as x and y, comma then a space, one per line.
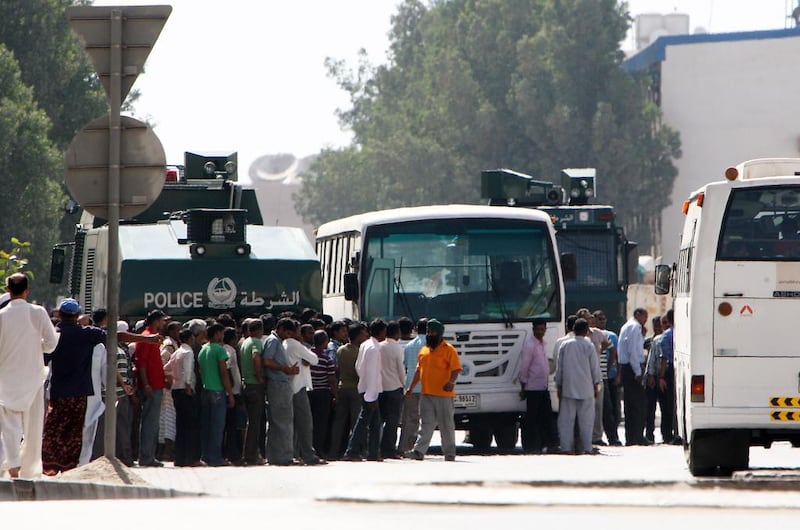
698, 388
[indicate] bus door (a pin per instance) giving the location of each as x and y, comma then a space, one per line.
756, 290
379, 291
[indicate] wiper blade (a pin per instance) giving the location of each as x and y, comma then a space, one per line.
503, 310
398, 284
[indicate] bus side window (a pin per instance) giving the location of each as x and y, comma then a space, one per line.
684, 269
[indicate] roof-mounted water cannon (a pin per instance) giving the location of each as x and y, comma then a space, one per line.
504, 187
579, 184
216, 232
210, 166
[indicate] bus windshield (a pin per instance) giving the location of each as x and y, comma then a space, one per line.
761, 224
460, 270
594, 256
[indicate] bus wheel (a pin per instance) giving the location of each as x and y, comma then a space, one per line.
718, 452
481, 437
506, 434
697, 456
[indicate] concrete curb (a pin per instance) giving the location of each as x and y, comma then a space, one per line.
47, 490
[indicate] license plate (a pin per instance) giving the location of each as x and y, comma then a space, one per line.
467, 401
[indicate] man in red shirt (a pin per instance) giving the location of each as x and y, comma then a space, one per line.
151, 388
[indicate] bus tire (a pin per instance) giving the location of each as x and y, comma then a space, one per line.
718, 452
506, 435
699, 455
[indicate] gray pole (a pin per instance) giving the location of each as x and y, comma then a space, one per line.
112, 293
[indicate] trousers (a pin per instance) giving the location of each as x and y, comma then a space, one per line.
26, 425
280, 414
569, 411
634, 406
437, 411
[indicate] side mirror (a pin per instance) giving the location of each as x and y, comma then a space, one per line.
57, 261
569, 266
631, 262
663, 279
351, 290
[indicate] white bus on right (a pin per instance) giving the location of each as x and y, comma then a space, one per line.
736, 291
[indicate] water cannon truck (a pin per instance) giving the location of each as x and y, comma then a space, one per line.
606, 260
200, 250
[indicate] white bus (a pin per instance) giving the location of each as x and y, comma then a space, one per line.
736, 287
486, 272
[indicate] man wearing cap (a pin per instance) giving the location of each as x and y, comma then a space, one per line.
25, 333
70, 386
438, 367
151, 387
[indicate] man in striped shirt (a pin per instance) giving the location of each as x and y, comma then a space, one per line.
126, 390
601, 343
323, 393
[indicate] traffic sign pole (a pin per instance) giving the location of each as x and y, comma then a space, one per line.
112, 296
117, 40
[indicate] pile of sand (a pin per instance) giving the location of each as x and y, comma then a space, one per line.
103, 471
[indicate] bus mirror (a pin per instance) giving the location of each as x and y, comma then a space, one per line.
632, 262
350, 286
569, 266
663, 279
57, 260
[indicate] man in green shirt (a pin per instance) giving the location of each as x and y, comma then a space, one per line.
216, 386
348, 404
253, 378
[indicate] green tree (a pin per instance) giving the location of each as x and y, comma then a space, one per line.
534, 85
14, 260
53, 63
32, 166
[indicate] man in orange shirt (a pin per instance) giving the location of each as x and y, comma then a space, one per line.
438, 367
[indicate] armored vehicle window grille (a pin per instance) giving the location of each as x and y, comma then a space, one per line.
75, 270
594, 254
89, 287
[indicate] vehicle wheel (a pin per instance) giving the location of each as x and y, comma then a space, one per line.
697, 455
718, 452
505, 435
480, 437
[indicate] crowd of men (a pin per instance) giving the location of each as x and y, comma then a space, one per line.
301, 389
281, 390
595, 371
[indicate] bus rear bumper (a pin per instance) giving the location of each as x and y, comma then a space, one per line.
764, 425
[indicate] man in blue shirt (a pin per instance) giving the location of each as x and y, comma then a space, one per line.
280, 433
410, 424
666, 384
611, 385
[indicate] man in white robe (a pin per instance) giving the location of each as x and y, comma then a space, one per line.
26, 333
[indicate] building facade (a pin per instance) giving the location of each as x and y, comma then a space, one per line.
731, 96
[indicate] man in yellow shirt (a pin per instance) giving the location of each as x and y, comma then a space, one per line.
438, 367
